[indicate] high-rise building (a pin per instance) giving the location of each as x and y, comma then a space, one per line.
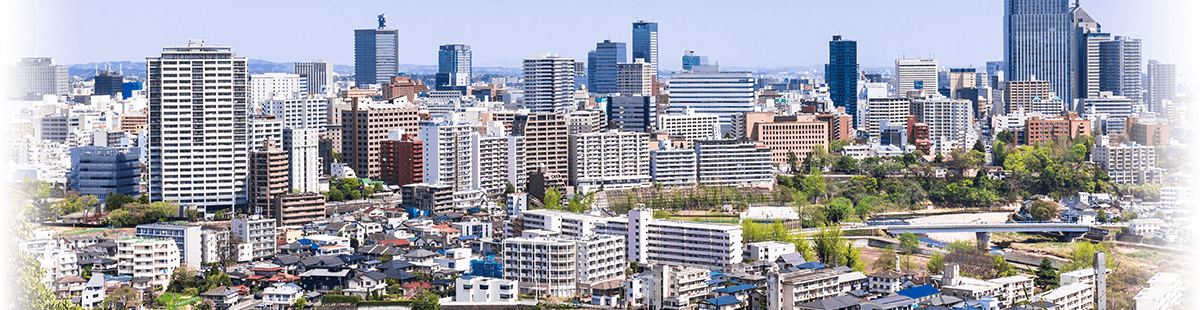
317, 76
1038, 39
1020, 95
38, 76
708, 90
645, 43
403, 86
454, 68
691, 59
269, 178
673, 168
376, 54
635, 78
309, 113
733, 163
108, 82
402, 157
584, 121
951, 122
1160, 85
304, 162
545, 146
690, 126
920, 75
266, 131
208, 126
186, 237
362, 133
609, 160
959, 78
842, 74
447, 154
1121, 67
1086, 48
489, 162
269, 86
632, 113
892, 110
549, 84
99, 171
602, 66
153, 260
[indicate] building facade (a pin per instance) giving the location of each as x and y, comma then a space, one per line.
100, 171
38, 76
841, 73
1038, 38
708, 90
316, 75
549, 84
609, 160
602, 66
151, 259
733, 163
645, 43
186, 239
376, 54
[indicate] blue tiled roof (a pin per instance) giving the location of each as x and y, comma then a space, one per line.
723, 300
716, 281
919, 292
811, 265
735, 288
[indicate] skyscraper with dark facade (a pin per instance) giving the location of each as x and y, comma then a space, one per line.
376, 54
842, 74
454, 68
1038, 43
602, 66
645, 43
1121, 67
691, 59
109, 82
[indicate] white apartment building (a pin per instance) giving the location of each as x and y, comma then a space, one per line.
264, 130
515, 166
708, 90
892, 110
489, 163
93, 292
484, 289
789, 290
649, 240
259, 233
609, 160
270, 86
541, 266
916, 75
198, 161
281, 296
1074, 296
302, 145
675, 287
1014, 121
1128, 163
951, 122
585, 121
690, 126
300, 113
635, 78
38, 75
1163, 292
152, 259
600, 259
769, 251
733, 163
1107, 103
317, 77
549, 84
673, 168
187, 240
447, 154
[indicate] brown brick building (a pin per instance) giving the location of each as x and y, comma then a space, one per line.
402, 160
1039, 130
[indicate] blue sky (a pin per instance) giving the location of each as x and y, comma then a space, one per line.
734, 33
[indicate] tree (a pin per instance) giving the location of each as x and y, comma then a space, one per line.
853, 258
300, 303
936, 263
378, 187
116, 201
335, 195
1047, 278
385, 258
909, 242
979, 146
122, 297
575, 205
906, 262
143, 199
552, 199
426, 301
793, 161
31, 293
509, 188
847, 164
778, 232
1006, 137
1082, 255
886, 261
838, 209
828, 244
938, 159
804, 247
1041, 210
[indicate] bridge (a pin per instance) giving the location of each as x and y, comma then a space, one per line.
983, 230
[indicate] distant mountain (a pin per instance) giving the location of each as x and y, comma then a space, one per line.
259, 66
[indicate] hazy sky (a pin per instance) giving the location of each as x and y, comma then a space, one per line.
734, 33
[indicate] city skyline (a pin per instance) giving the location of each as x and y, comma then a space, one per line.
787, 36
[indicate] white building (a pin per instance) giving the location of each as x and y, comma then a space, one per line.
1163, 292
484, 289
916, 75
270, 86
281, 296
302, 146
1147, 228
675, 287
635, 78
447, 154
264, 130
515, 165
542, 266
600, 259
93, 292
673, 168
300, 113
186, 239
259, 233
768, 251
1128, 163
549, 84
1074, 296
893, 110
317, 76
1014, 121
152, 259
38, 75
489, 162
733, 163
951, 122
690, 126
174, 177
585, 121
708, 90
609, 160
